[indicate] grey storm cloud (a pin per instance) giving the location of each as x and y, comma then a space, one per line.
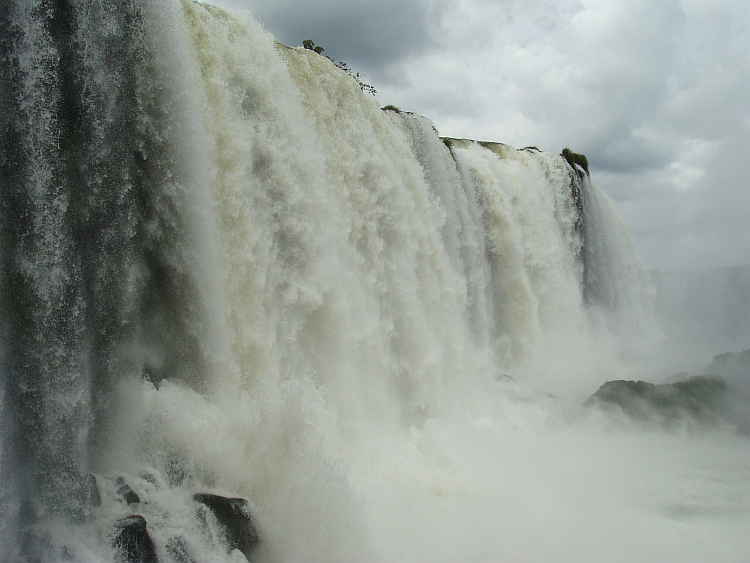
655, 93
364, 32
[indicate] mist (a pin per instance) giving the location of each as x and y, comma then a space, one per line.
703, 313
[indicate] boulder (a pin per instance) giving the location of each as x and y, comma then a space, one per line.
132, 542
127, 494
233, 515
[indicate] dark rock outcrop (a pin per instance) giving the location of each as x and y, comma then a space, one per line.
93, 496
132, 542
576, 161
127, 494
234, 516
702, 399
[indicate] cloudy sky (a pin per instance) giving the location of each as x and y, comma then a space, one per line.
655, 92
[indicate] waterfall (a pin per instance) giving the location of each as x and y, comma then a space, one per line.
225, 269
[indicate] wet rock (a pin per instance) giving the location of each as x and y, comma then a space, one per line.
703, 399
93, 495
132, 542
234, 516
127, 494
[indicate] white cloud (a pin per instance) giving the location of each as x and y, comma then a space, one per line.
685, 177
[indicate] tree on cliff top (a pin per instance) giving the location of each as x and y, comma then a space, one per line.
309, 44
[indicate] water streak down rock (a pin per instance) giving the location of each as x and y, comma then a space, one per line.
234, 516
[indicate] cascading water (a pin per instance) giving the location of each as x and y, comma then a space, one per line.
226, 271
